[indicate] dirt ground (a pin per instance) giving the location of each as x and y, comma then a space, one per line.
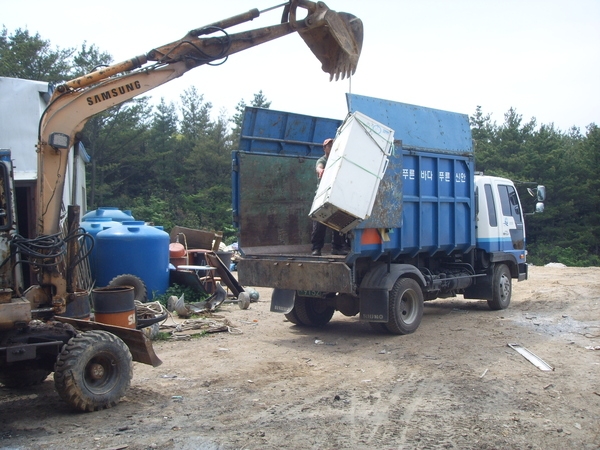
269, 384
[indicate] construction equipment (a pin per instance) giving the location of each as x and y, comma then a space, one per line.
38, 333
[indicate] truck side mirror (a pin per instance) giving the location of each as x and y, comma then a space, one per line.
541, 193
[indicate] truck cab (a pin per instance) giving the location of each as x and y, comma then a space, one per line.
500, 228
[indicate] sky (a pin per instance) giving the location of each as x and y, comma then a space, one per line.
539, 57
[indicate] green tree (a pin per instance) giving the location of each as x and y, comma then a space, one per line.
87, 59
163, 142
32, 58
566, 163
116, 141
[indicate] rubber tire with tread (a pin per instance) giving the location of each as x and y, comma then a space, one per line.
501, 288
293, 317
406, 306
22, 376
312, 312
139, 287
93, 371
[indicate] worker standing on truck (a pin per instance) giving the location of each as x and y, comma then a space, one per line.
318, 231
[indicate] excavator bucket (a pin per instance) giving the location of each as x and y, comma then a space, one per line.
334, 37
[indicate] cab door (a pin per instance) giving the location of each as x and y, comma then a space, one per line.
511, 224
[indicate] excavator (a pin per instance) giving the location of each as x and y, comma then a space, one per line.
91, 361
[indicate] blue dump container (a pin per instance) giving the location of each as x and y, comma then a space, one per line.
93, 226
137, 249
425, 200
110, 212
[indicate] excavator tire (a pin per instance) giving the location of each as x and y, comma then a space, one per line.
18, 377
93, 371
139, 287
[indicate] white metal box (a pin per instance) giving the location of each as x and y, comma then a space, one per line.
354, 169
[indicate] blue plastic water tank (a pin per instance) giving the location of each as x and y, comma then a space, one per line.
93, 226
134, 248
111, 212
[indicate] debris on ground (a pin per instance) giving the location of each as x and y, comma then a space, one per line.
190, 327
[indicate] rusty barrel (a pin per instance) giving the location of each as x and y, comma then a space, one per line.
78, 305
115, 305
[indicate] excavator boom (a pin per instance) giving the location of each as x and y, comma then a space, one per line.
334, 38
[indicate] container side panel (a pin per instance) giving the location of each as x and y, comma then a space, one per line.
416, 126
269, 131
387, 207
409, 233
436, 207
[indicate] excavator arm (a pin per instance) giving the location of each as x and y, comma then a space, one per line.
335, 39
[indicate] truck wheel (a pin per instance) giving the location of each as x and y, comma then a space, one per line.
139, 287
18, 377
312, 311
406, 307
293, 317
93, 371
501, 288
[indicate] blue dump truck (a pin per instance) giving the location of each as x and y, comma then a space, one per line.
436, 228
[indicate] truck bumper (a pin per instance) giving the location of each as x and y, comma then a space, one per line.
523, 272
296, 274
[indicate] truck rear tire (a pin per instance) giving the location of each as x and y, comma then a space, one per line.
293, 318
93, 371
501, 288
406, 307
312, 312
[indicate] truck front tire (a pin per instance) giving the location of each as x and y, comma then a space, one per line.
501, 288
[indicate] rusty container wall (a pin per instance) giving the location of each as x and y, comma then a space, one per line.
274, 180
275, 200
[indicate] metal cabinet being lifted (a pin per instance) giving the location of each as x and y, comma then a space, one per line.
357, 162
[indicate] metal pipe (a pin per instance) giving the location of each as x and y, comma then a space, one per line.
99, 75
226, 23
